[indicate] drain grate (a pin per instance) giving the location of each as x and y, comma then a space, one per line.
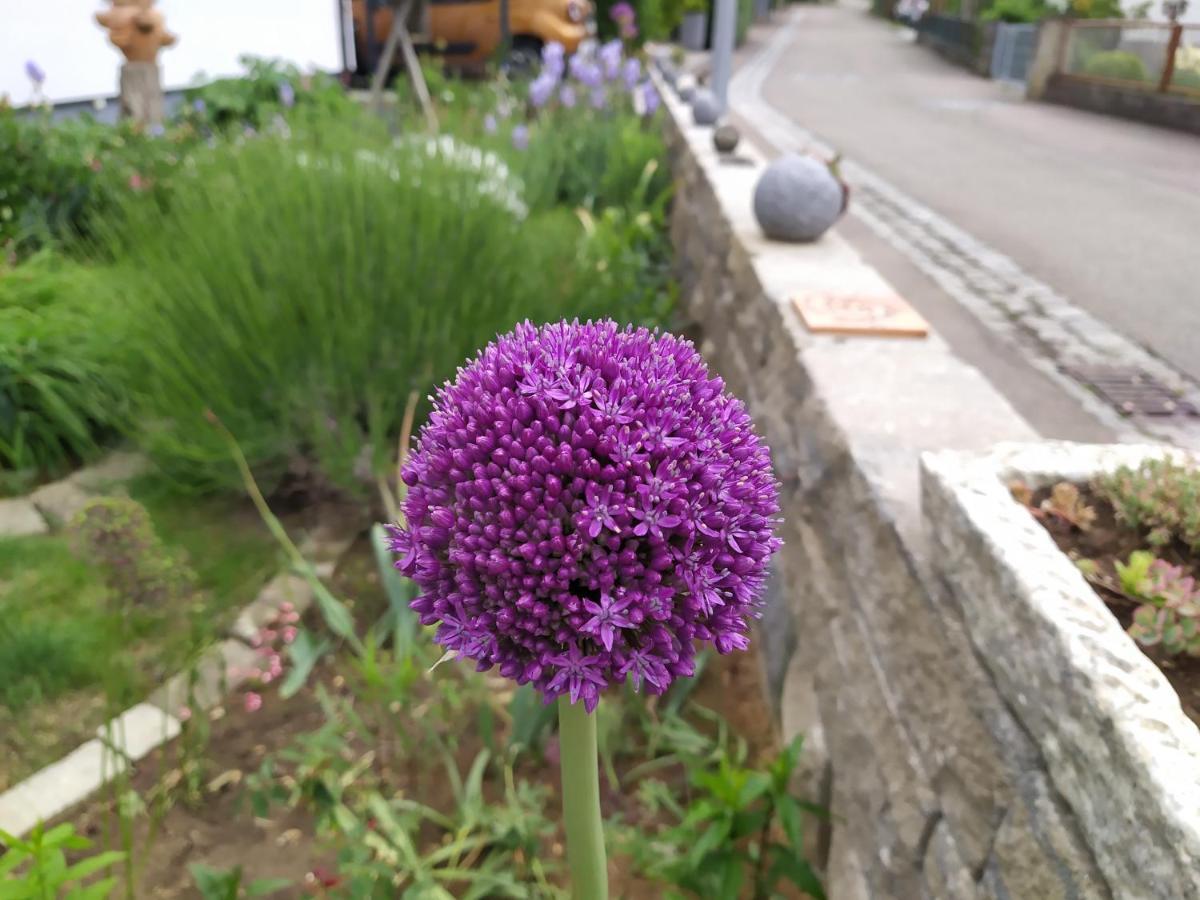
1132, 391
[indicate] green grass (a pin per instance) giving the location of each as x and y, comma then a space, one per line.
70, 656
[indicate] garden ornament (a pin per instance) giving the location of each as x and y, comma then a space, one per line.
799, 197
725, 138
139, 32
706, 107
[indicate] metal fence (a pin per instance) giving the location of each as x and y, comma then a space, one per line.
1152, 56
1013, 52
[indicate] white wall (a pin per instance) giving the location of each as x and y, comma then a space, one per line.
63, 38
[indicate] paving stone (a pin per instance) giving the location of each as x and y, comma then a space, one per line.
58, 787
283, 588
117, 468
217, 672
59, 502
20, 518
139, 730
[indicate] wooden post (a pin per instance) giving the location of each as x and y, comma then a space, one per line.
1168, 71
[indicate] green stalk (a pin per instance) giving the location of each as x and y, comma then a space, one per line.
581, 801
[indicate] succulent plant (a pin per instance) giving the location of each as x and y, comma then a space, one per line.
1170, 615
1160, 497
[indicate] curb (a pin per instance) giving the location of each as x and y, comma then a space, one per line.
148, 725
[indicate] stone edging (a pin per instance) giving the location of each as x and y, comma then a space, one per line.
148, 725
53, 505
1118, 746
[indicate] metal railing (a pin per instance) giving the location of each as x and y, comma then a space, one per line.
1151, 56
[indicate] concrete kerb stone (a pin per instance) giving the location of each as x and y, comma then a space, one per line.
20, 518
1118, 747
152, 723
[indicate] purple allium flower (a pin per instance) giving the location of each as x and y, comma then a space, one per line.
287, 94
541, 89
584, 504
622, 12
599, 98
566, 96
628, 31
489, 123
35, 72
520, 137
631, 73
611, 56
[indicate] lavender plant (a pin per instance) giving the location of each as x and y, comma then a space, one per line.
1160, 497
584, 505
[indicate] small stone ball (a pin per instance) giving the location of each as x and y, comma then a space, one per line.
797, 199
725, 138
685, 86
706, 108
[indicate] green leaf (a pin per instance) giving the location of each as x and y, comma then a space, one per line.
100, 890
790, 819
400, 592
796, 870
260, 887
305, 652
732, 876
93, 864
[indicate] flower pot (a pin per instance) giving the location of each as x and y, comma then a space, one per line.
693, 30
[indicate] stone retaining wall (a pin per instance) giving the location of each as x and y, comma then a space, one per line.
1168, 110
935, 789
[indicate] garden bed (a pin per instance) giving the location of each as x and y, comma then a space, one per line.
271, 790
1119, 748
73, 654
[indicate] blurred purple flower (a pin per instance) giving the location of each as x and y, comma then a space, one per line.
628, 31
566, 96
541, 89
35, 73
553, 59
520, 137
631, 73
622, 12
585, 72
489, 124
599, 98
199, 106
611, 55
287, 94
585, 504
650, 98
157, 130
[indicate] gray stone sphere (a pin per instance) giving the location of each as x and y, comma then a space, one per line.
725, 138
706, 108
685, 86
797, 198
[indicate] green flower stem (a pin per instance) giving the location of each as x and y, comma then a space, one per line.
581, 801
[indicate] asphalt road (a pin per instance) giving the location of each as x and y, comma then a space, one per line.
1105, 211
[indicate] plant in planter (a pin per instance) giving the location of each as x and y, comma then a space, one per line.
693, 29
585, 504
1159, 496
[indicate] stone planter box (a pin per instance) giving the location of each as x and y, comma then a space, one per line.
1120, 752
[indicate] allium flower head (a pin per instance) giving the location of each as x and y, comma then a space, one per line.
585, 503
35, 72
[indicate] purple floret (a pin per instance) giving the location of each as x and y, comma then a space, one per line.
584, 505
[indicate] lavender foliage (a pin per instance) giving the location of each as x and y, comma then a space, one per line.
586, 503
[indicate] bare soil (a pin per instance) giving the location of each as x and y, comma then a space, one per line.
1105, 542
222, 831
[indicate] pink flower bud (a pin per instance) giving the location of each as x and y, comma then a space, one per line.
253, 702
289, 634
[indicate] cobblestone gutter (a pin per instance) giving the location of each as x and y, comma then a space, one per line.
936, 788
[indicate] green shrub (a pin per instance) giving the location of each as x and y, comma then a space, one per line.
57, 176
301, 288
1117, 64
1188, 79
57, 400
1015, 11
268, 90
